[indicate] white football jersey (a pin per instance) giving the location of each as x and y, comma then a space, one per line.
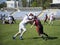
51, 16
25, 20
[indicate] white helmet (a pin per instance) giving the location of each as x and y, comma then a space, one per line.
30, 13
30, 17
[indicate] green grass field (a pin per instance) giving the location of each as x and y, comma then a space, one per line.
30, 37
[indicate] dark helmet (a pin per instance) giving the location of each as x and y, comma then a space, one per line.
31, 14
35, 17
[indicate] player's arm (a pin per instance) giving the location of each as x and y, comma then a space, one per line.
33, 24
30, 20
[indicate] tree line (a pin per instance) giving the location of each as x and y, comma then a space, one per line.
3, 5
32, 3
37, 3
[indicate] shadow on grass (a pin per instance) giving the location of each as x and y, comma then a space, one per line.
52, 38
35, 37
49, 38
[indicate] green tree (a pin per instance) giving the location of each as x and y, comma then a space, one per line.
3, 5
39, 3
45, 3
24, 2
34, 4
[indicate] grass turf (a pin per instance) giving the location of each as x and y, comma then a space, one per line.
30, 37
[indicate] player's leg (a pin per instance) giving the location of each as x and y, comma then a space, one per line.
23, 31
10, 21
41, 32
49, 21
45, 34
38, 30
3, 21
17, 33
52, 21
45, 21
